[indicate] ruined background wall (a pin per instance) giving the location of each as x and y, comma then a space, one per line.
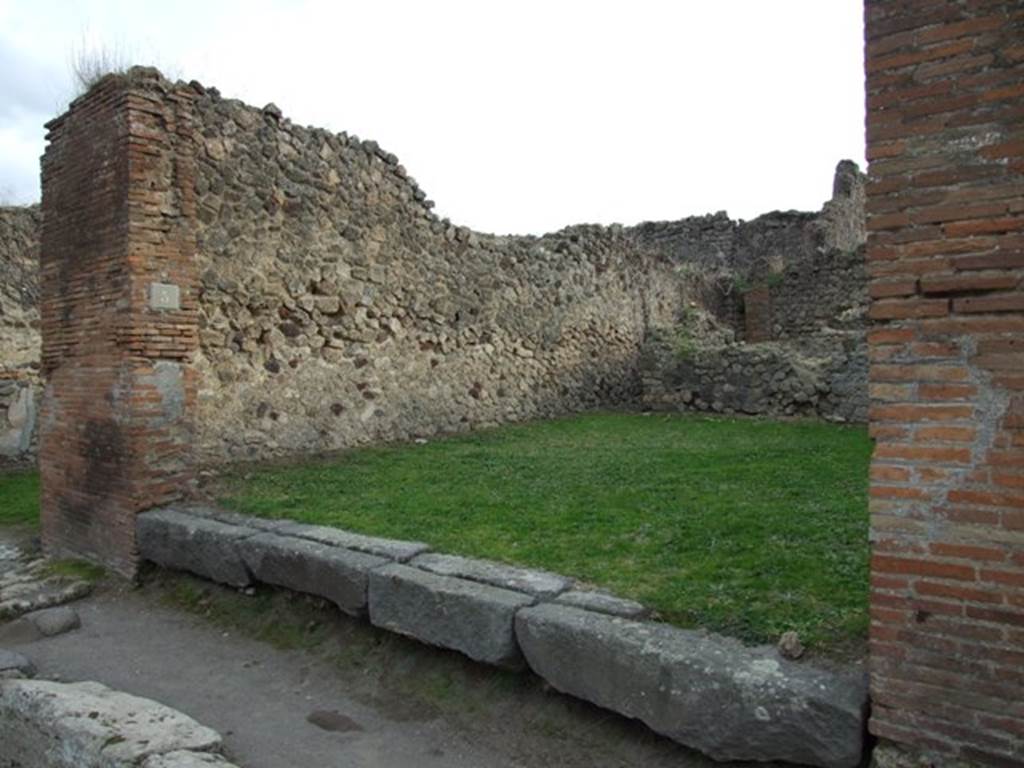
777, 320
19, 332
336, 308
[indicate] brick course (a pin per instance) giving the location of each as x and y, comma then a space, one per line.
118, 211
945, 213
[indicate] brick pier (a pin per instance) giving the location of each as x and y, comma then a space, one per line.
945, 128
119, 315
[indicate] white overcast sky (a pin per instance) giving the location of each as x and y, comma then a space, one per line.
513, 115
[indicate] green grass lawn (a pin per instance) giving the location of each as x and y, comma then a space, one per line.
19, 498
746, 527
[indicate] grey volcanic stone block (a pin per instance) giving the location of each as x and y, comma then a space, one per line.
602, 602
54, 621
537, 583
185, 759
86, 725
32, 594
13, 665
339, 575
231, 518
393, 549
475, 619
707, 692
185, 542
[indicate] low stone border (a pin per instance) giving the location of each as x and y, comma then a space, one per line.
46, 724
27, 586
702, 690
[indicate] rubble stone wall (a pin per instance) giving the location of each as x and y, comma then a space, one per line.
825, 378
791, 315
19, 332
337, 309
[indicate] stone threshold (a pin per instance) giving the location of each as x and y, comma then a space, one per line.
46, 724
706, 691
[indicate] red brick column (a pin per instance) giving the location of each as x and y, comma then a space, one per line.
945, 128
119, 314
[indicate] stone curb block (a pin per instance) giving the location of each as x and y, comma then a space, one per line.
45, 724
181, 759
231, 518
47, 594
177, 540
475, 619
707, 692
336, 574
392, 549
542, 584
602, 602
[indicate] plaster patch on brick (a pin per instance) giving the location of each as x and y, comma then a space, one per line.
167, 379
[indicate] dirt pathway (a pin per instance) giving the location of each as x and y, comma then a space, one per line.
260, 698
345, 695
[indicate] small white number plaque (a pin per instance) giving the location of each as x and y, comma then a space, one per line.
164, 296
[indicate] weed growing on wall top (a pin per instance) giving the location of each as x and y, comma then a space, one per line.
90, 62
89, 65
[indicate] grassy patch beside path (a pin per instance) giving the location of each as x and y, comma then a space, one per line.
19, 498
745, 527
